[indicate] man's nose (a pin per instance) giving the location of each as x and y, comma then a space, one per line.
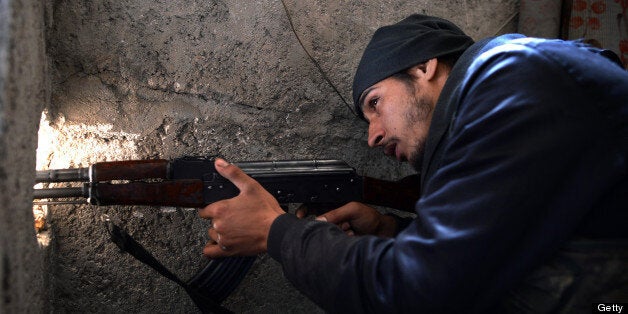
376, 134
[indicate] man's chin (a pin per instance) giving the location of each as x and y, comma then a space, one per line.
416, 159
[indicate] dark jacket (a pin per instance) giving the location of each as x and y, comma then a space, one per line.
528, 149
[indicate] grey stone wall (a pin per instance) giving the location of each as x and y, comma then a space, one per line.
239, 79
22, 95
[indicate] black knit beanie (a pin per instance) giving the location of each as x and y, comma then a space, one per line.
397, 47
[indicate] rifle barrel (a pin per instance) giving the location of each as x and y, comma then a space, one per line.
62, 175
59, 192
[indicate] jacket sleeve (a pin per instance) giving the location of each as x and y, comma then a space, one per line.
527, 155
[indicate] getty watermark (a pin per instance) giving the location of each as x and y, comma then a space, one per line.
609, 307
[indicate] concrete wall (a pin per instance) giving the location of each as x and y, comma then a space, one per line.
141, 79
22, 96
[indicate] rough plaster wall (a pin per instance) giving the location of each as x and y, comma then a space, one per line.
22, 95
137, 79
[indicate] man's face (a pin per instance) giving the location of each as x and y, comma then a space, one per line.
399, 116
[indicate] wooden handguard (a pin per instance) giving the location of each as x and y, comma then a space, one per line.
183, 193
130, 170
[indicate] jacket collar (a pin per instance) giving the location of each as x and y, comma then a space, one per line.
447, 104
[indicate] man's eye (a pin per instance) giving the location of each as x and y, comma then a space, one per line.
373, 102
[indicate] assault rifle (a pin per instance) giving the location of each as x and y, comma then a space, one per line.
194, 182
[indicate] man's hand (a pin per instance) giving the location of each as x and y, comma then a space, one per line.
359, 219
240, 225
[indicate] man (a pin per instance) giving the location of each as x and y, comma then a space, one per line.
522, 145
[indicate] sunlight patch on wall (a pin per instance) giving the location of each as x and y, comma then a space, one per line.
62, 144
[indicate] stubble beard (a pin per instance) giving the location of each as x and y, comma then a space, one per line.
422, 108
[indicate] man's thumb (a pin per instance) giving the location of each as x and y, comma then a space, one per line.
333, 216
232, 173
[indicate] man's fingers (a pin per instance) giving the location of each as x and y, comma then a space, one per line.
204, 212
216, 246
301, 211
341, 214
214, 251
345, 226
232, 173
214, 210
213, 235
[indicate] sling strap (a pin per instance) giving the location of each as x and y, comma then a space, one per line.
208, 288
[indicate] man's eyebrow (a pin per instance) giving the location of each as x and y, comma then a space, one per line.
363, 95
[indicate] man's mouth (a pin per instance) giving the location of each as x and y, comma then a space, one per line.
391, 150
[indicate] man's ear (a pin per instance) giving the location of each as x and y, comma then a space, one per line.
425, 70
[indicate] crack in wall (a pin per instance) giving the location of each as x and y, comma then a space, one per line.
314, 61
